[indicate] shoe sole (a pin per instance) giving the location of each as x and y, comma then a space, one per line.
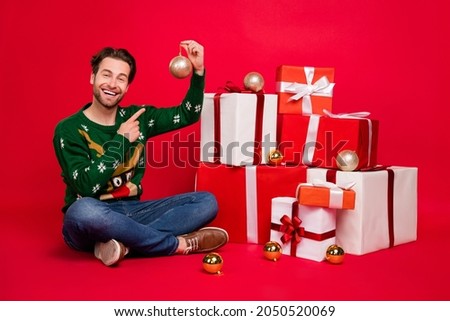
108, 252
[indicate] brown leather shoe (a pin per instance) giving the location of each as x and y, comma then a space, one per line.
205, 240
110, 252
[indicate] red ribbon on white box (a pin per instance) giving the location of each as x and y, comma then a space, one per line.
331, 176
257, 156
291, 228
322, 87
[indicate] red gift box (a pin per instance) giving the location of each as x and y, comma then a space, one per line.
244, 195
304, 90
317, 140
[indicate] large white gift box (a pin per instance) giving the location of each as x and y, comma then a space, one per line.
238, 129
302, 231
385, 213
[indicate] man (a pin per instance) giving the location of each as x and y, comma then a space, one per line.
101, 151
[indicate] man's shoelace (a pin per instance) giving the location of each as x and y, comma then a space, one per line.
192, 245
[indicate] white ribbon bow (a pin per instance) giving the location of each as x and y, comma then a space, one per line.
302, 90
345, 186
322, 87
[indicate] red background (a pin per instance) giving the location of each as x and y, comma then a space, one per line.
391, 59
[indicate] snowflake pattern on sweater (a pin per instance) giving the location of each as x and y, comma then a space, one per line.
98, 162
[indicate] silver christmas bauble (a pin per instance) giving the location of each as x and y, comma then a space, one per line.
254, 81
347, 160
180, 67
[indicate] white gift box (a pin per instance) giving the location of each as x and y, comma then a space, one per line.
318, 226
385, 213
237, 135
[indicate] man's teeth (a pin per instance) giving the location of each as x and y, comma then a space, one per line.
109, 92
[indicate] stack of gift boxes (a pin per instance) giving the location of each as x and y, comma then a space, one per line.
310, 200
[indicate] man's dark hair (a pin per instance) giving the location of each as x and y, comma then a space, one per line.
121, 54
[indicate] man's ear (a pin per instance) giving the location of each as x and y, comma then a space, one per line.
92, 78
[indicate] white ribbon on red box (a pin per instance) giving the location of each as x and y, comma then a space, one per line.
322, 87
336, 191
313, 128
251, 203
357, 115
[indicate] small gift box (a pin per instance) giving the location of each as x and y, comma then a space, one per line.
238, 129
385, 213
317, 140
326, 194
244, 195
302, 231
304, 90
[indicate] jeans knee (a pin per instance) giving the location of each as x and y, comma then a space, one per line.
210, 202
84, 209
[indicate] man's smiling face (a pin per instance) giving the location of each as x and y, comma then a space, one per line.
110, 83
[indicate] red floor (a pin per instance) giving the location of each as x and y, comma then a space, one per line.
36, 265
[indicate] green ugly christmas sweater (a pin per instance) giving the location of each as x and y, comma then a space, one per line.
98, 162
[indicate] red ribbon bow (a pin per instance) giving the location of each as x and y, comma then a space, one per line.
233, 88
292, 231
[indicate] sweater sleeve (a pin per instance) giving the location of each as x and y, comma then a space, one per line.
84, 174
161, 120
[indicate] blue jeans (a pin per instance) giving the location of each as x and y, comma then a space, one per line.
148, 228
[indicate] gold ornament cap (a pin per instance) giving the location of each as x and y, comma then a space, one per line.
275, 157
213, 263
272, 250
335, 254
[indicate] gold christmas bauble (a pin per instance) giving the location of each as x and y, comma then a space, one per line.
335, 254
254, 81
272, 250
275, 157
180, 67
347, 160
212, 263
